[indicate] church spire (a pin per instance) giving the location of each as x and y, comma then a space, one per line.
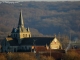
20, 23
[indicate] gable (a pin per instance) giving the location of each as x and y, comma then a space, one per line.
55, 44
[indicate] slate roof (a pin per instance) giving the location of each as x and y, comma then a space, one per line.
17, 30
13, 42
39, 41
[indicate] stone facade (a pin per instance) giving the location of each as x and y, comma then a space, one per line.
55, 44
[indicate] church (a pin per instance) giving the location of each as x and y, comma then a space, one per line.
20, 40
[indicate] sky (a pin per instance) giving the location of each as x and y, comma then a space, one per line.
39, 0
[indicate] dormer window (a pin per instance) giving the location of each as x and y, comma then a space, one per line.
15, 30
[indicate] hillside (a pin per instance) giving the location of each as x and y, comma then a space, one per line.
43, 18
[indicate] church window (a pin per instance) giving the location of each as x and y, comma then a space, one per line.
14, 35
29, 35
23, 35
26, 35
15, 30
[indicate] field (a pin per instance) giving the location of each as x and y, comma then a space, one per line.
70, 55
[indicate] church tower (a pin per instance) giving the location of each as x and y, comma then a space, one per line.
20, 32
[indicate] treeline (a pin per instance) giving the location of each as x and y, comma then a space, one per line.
44, 18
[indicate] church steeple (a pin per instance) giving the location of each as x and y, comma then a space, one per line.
20, 32
20, 23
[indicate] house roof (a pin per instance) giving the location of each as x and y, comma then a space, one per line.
40, 48
32, 41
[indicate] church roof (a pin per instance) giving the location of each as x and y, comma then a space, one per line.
20, 23
39, 41
17, 30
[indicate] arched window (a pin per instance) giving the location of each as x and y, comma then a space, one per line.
23, 35
14, 35
26, 35
29, 35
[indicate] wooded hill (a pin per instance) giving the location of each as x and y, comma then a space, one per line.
43, 18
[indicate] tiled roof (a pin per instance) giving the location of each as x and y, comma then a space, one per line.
40, 48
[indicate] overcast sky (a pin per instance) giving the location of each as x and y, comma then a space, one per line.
39, 0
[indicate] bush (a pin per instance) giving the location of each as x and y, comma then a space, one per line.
72, 55
2, 57
46, 58
20, 56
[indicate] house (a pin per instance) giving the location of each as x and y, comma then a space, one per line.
21, 40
